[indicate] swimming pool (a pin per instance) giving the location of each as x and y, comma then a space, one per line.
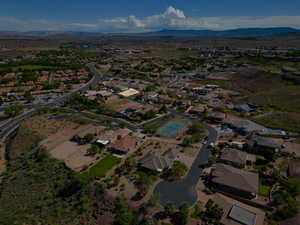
277, 132
170, 128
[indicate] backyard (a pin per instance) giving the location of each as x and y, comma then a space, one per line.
101, 168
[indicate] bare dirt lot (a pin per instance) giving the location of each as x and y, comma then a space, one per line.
73, 154
34, 130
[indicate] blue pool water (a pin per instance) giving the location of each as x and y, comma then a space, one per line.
276, 132
171, 128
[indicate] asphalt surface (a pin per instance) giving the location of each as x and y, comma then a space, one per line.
184, 190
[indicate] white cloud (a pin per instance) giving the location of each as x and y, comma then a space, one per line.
171, 18
174, 18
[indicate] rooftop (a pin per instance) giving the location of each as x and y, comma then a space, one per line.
158, 162
263, 142
248, 126
234, 155
235, 178
237, 213
129, 92
242, 215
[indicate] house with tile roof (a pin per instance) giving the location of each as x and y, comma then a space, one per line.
235, 181
236, 158
158, 162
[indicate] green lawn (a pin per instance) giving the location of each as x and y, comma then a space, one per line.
264, 190
102, 167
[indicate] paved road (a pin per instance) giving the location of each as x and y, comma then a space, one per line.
184, 191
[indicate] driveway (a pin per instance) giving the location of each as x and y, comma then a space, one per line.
184, 190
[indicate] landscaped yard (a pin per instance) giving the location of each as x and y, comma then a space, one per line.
264, 190
102, 167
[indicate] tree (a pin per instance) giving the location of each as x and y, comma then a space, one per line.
93, 150
182, 215
213, 211
195, 128
28, 96
154, 199
149, 115
123, 216
169, 209
187, 141
178, 170
14, 110
292, 186
87, 139
163, 109
212, 160
197, 212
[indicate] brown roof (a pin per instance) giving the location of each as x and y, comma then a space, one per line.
294, 169
237, 213
234, 155
235, 178
159, 162
126, 143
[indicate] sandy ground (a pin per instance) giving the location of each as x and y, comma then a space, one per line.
74, 155
292, 146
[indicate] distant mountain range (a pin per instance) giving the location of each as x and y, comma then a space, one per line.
242, 32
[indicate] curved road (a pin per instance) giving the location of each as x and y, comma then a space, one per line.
184, 190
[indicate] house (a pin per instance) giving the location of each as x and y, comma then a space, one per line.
294, 169
237, 213
124, 144
104, 94
236, 144
129, 92
237, 158
216, 117
202, 90
102, 142
197, 109
245, 108
260, 143
246, 127
158, 162
235, 181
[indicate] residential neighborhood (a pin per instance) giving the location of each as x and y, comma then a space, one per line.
160, 130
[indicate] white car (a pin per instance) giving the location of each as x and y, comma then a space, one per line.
211, 145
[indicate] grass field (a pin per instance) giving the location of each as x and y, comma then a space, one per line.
102, 167
264, 190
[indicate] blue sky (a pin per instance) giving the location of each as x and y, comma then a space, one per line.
146, 15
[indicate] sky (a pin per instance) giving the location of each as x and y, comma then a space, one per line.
110, 16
